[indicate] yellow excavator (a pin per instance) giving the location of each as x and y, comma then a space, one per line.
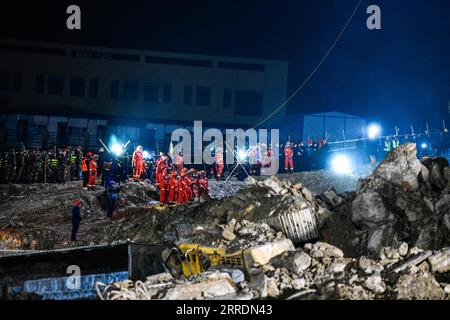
190, 259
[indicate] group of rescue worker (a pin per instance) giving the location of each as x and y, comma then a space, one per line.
299, 156
177, 184
56, 165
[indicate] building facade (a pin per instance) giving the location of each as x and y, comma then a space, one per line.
65, 94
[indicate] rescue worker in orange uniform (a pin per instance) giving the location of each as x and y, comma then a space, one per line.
160, 166
92, 172
202, 184
173, 185
181, 195
163, 188
179, 161
190, 185
85, 169
219, 163
288, 158
138, 163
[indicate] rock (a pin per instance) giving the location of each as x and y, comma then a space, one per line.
443, 205
447, 289
346, 292
411, 215
446, 220
424, 174
375, 284
322, 249
272, 288
412, 261
299, 284
403, 249
158, 278
418, 287
213, 286
379, 237
260, 284
294, 261
440, 261
368, 209
336, 268
437, 178
228, 234
401, 167
263, 253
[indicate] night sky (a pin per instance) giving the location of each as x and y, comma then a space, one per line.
397, 75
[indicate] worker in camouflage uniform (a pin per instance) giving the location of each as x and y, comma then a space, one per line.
3, 167
54, 165
67, 164
36, 164
78, 159
20, 165
11, 166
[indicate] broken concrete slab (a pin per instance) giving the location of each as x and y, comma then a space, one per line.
262, 254
440, 261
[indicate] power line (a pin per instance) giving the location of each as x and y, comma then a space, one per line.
302, 85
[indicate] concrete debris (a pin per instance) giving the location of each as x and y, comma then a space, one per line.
209, 285
440, 261
403, 201
312, 235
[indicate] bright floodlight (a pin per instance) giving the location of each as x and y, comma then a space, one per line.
242, 155
116, 149
373, 131
341, 164
146, 155
424, 145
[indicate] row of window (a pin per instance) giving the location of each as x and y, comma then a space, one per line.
55, 86
246, 102
17, 79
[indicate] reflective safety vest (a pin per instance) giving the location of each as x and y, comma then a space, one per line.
54, 163
73, 159
84, 165
387, 146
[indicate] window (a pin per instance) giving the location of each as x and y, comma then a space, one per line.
248, 103
17, 81
77, 87
167, 93
130, 90
150, 92
56, 85
39, 85
227, 96
4, 81
21, 130
203, 96
187, 95
93, 88
114, 89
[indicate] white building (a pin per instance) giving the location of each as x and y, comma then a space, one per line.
55, 93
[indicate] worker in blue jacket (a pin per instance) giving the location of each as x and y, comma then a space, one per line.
76, 219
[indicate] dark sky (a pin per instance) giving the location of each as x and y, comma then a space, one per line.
398, 75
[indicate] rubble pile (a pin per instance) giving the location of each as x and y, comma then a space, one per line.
38, 216
314, 271
404, 200
209, 285
323, 180
220, 190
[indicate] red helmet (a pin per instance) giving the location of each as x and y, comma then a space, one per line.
89, 154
